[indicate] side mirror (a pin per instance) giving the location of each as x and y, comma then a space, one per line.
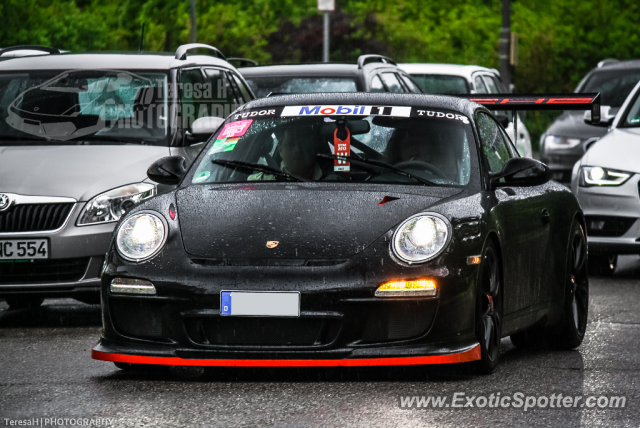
203, 128
504, 120
522, 172
168, 170
606, 117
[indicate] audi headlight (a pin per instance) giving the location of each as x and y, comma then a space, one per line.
421, 237
110, 206
598, 176
141, 236
556, 142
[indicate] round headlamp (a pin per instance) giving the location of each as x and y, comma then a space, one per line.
141, 236
421, 237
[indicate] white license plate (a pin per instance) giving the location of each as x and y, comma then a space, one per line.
260, 303
24, 249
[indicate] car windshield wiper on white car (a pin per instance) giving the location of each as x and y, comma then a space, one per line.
255, 167
379, 164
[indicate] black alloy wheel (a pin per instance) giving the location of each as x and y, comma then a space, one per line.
489, 309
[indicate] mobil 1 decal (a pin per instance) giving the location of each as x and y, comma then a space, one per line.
436, 114
346, 110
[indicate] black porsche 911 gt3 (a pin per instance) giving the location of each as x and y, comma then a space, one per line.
347, 230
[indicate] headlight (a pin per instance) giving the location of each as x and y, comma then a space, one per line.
555, 142
598, 176
141, 236
421, 237
110, 206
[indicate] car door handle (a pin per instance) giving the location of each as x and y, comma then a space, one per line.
545, 216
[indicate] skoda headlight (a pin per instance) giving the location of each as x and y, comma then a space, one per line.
598, 176
110, 206
421, 237
141, 236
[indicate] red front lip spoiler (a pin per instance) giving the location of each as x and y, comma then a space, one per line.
472, 354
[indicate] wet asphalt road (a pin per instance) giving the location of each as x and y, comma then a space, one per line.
46, 371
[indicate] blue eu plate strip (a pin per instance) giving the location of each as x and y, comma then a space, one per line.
225, 303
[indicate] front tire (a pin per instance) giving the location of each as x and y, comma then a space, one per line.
569, 332
489, 309
572, 327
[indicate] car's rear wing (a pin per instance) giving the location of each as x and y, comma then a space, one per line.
517, 102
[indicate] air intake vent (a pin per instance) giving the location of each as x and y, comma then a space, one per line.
608, 225
138, 319
42, 271
258, 331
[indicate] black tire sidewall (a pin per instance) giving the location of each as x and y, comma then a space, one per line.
488, 363
569, 336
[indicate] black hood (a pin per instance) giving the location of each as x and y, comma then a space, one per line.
308, 222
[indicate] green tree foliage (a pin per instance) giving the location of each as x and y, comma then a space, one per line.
560, 40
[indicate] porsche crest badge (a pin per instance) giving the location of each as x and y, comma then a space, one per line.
272, 244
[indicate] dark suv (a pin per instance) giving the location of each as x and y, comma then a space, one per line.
77, 134
372, 73
568, 137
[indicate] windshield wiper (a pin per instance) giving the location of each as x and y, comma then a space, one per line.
380, 164
255, 167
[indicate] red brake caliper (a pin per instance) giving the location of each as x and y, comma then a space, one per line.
490, 312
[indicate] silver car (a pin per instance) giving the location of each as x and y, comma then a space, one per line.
77, 134
606, 182
453, 79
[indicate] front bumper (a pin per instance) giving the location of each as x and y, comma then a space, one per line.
76, 256
459, 353
341, 322
612, 216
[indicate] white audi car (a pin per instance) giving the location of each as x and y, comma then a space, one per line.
606, 182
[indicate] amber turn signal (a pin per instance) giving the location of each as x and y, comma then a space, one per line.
418, 287
473, 260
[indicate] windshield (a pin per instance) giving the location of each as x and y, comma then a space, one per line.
614, 86
385, 144
263, 86
441, 84
83, 106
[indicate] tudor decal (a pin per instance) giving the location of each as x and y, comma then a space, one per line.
443, 115
255, 113
352, 110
